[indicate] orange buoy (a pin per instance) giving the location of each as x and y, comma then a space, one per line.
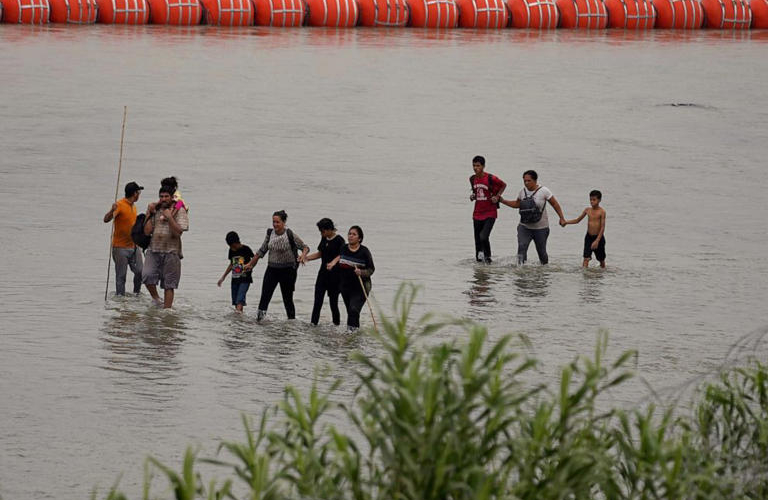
678, 14
582, 14
332, 13
282, 13
73, 11
433, 13
123, 11
536, 14
759, 14
25, 11
727, 14
383, 13
630, 14
228, 12
175, 12
482, 14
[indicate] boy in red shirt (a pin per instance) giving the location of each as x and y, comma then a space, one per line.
486, 190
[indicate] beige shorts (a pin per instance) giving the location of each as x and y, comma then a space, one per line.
163, 268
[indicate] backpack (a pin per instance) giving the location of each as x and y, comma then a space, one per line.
530, 213
291, 242
490, 186
137, 232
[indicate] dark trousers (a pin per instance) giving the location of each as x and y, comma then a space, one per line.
539, 237
482, 236
329, 284
286, 278
354, 300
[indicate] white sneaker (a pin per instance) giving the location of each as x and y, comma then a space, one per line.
480, 256
260, 315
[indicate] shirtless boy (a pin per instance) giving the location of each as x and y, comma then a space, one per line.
594, 240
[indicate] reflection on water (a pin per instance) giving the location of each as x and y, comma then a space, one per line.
480, 291
143, 342
532, 281
591, 291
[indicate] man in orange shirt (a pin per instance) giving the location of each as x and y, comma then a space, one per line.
124, 252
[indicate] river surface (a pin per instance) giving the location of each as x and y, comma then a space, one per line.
369, 127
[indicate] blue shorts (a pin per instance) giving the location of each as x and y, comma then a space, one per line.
239, 289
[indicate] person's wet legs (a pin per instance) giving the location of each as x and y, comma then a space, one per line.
137, 266
120, 258
540, 237
319, 298
333, 300
524, 237
268, 285
287, 285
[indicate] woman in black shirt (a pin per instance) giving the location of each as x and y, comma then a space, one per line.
355, 265
328, 275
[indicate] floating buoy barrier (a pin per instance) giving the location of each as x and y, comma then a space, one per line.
228, 12
282, 13
73, 11
331, 13
727, 14
123, 11
536, 14
175, 12
486, 14
590, 14
382, 13
630, 14
678, 14
759, 10
433, 13
25, 11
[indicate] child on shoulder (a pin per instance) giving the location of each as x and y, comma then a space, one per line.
238, 256
594, 240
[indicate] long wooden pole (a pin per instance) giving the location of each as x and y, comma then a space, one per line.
367, 301
117, 187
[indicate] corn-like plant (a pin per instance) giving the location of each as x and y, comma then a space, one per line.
457, 421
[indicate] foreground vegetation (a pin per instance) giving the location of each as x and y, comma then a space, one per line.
460, 420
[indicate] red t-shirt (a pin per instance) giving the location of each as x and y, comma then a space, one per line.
484, 207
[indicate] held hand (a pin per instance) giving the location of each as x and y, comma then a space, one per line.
563, 222
248, 267
358, 272
495, 199
329, 266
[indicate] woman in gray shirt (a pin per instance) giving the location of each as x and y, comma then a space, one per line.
286, 251
534, 223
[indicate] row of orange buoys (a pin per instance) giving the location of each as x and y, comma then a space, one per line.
489, 14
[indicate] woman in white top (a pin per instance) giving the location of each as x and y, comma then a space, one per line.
534, 223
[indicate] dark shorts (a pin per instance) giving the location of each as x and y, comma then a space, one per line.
599, 251
162, 267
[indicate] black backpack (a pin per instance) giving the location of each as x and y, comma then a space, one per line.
490, 186
137, 232
530, 213
291, 242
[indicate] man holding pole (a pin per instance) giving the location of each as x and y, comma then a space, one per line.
124, 252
